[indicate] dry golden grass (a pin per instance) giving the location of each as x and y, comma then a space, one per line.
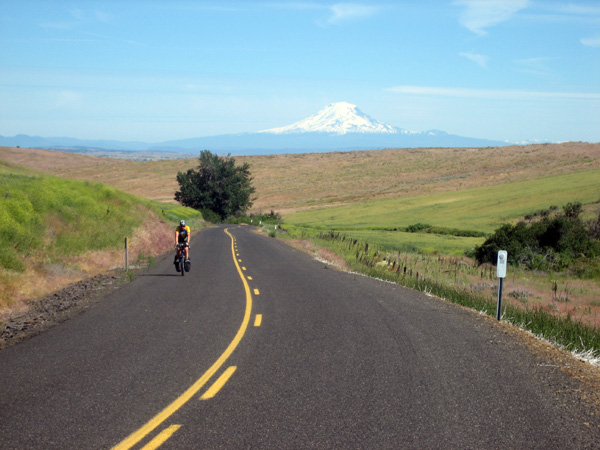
292, 182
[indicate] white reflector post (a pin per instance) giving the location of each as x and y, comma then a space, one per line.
501, 272
501, 266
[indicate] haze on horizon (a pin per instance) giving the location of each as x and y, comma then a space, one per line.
508, 70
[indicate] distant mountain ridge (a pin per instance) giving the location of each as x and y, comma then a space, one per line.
23, 140
339, 126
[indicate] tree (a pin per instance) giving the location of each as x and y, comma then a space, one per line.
217, 185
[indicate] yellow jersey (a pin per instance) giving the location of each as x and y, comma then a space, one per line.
183, 233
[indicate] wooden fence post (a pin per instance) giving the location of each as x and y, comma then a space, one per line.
126, 254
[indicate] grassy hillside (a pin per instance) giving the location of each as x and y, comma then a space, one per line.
48, 224
481, 209
66, 216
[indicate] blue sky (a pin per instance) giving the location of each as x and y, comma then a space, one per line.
511, 70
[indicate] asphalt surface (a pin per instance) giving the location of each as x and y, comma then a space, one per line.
260, 346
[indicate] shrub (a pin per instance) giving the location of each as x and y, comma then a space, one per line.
210, 216
417, 227
551, 243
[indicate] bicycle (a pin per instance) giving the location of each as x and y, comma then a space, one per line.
181, 265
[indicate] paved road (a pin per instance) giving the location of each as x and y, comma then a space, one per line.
262, 347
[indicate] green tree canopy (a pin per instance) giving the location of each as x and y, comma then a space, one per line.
217, 185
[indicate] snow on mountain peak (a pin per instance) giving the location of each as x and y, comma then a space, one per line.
337, 118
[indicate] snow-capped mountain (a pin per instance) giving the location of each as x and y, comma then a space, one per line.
339, 126
337, 118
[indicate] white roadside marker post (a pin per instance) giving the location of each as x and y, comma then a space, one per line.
501, 273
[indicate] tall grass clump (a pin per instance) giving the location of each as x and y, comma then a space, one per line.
569, 333
19, 221
377, 262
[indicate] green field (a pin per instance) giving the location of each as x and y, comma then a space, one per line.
481, 209
417, 242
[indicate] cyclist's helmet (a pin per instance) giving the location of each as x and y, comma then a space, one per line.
182, 223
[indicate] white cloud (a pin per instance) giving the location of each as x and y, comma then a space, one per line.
300, 6
591, 42
502, 94
574, 9
78, 18
345, 12
481, 14
478, 59
337, 13
536, 66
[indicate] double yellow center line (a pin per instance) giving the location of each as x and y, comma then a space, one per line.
145, 430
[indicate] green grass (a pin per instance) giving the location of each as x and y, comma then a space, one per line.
174, 213
481, 209
422, 242
58, 217
426, 243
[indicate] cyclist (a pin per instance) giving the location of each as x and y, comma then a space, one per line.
182, 236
